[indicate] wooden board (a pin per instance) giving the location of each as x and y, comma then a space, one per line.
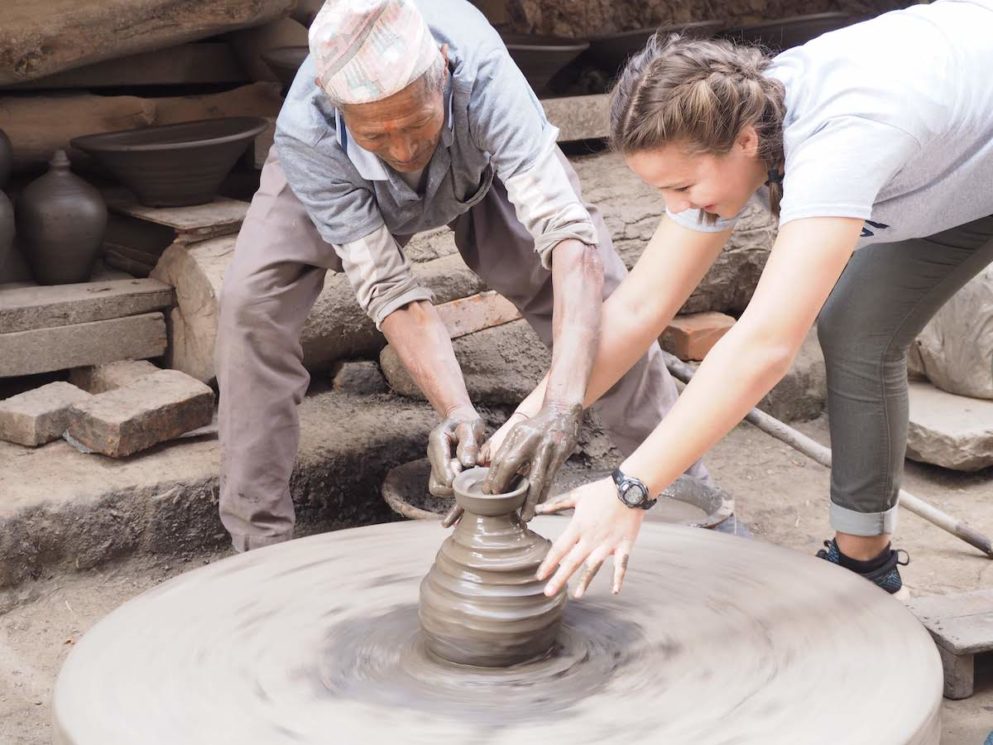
94, 343
30, 308
961, 623
206, 62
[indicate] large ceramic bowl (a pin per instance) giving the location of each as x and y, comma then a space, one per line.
285, 61
785, 33
175, 165
610, 51
540, 57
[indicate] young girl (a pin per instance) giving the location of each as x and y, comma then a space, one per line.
874, 146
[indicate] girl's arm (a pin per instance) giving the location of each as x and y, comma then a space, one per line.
807, 259
671, 266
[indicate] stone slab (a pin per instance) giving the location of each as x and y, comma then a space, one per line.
579, 117
102, 378
691, 336
39, 416
952, 431
78, 345
477, 312
63, 510
29, 308
802, 393
961, 622
154, 409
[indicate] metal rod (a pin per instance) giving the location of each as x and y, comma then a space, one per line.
814, 450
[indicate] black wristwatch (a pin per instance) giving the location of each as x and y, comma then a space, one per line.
632, 492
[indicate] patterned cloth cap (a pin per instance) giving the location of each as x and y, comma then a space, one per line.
367, 50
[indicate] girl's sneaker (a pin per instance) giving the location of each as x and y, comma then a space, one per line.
886, 575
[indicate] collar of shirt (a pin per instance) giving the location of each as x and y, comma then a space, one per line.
369, 166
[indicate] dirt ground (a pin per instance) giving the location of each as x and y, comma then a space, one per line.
779, 494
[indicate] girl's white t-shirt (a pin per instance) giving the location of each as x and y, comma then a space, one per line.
890, 121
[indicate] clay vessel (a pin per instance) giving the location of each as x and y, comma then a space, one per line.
174, 165
786, 33
540, 56
480, 602
611, 51
6, 234
6, 158
61, 221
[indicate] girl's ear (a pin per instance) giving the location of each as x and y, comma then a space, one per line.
748, 141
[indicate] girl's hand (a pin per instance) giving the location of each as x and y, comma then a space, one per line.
602, 526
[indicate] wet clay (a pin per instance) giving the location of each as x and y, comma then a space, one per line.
714, 639
481, 604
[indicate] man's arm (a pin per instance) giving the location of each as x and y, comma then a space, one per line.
421, 340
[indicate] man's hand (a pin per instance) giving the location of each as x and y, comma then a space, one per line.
453, 445
538, 446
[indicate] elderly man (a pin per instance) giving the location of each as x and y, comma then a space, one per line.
405, 118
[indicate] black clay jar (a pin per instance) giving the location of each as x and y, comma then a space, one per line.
61, 221
6, 234
6, 158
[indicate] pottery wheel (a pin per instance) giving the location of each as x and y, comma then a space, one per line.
714, 639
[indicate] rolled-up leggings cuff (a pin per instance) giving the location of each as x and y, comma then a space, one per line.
844, 520
242, 542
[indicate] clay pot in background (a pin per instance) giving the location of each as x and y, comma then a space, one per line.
480, 602
61, 221
6, 158
6, 234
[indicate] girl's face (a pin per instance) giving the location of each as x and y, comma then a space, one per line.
717, 184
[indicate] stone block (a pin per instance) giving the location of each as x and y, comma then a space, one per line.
361, 377
471, 314
81, 344
947, 430
103, 378
802, 393
39, 416
690, 337
157, 408
501, 365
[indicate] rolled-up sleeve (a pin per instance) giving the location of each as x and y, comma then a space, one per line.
346, 216
509, 123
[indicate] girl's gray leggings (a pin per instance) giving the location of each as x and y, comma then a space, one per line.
882, 301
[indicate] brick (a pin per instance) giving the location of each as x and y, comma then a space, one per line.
39, 416
690, 337
103, 378
64, 347
156, 408
471, 314
361, 377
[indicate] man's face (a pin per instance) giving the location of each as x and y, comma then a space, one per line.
402, 130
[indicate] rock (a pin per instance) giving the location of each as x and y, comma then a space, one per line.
955, 349
690, 337
156, 408
501, 365
361, 378
103, 378
38, 39
802, 392
251, 44
337, 328
81, 344
947, 430
40, 415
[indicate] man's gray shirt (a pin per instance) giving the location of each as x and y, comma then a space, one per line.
494, 128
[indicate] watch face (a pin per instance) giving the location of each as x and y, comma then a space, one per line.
634, 495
